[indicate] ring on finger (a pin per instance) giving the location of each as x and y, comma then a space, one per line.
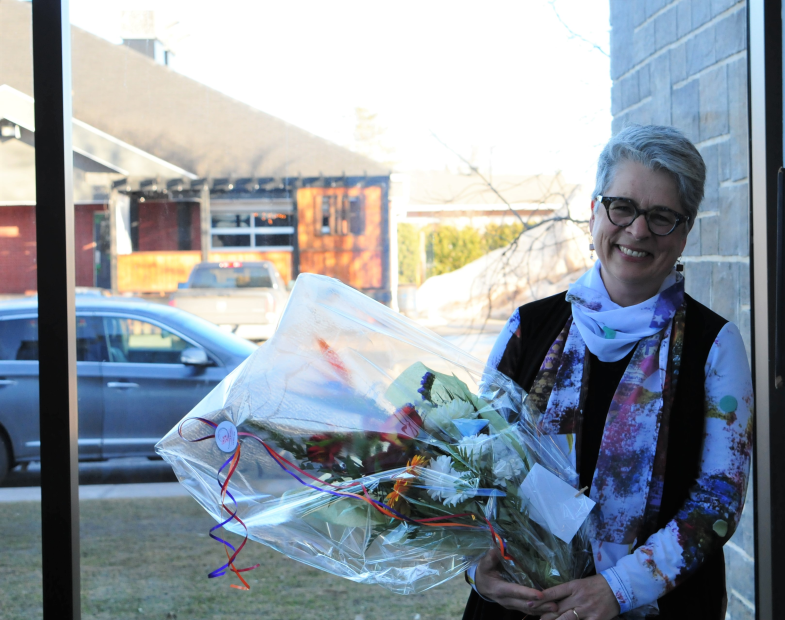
577, 617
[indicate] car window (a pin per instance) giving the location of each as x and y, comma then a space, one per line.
19, 339
90, 340
232, 277
139, 342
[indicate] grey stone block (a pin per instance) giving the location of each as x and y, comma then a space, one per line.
738, 611
660, 108
693, 247
737, 119
616, 106
734, 221
724, 284
630, 90
678, 62
700, 51
621, 35
714, 103
718, 6
641, 114
744, 289
684, 18
643, 42
710, 240
701, 12
685, 106
711, 197
638, 10
644, 83
622, 59
745, 330
660, 81
652, 6
730, 34
665, 31
725, 163
697, 281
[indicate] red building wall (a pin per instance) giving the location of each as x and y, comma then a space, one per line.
18, 275
158, 226
17, 250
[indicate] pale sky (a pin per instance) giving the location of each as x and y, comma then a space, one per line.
502, 81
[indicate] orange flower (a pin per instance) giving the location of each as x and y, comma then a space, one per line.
395, 499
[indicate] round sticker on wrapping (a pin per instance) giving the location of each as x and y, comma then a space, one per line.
226, 436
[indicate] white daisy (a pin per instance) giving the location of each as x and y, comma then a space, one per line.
475, 446
463, 489
439, 474
440, 418
506, 468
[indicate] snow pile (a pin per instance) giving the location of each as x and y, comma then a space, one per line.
543, 262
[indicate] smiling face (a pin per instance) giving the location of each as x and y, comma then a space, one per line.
635, 262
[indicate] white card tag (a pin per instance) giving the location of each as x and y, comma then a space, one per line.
226, 436
551, 502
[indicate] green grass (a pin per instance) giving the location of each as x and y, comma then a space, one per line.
149, 558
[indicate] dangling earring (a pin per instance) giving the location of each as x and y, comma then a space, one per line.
679, 266
591, 250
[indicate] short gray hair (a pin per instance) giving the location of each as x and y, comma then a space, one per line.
658, 148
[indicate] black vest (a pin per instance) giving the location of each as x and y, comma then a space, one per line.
702, 595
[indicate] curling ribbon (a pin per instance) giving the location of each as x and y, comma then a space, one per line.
336, 490
232, 461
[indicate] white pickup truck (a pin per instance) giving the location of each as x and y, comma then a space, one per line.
246, 299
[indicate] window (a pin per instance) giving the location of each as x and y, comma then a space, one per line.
261, 229
340, 215
245, 276
19, 340
139, 342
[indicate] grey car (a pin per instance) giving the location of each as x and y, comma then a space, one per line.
140, 368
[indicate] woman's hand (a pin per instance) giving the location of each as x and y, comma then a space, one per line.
590, 598
489, 583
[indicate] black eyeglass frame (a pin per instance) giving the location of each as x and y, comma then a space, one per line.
607, 200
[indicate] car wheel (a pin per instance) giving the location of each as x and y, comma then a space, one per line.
4, 459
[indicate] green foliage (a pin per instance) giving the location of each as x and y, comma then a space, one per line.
408, 253
452, 248
448, 248
500, 235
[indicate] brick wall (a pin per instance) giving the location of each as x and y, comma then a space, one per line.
684, 63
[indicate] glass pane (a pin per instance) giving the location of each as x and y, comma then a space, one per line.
231, 220
264, 220
231, 241
20, 508
139, 342
405, 183
273, 240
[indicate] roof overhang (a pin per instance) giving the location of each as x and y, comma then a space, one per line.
115, 155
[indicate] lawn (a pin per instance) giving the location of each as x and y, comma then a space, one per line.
149, 558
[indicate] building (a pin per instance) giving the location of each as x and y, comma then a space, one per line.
443, 197
173, 172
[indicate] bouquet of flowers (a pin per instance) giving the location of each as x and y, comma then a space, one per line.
359, 443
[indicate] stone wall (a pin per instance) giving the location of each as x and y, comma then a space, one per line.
684, 63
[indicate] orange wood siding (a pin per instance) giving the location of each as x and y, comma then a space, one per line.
154, 272
160, 272
354, 259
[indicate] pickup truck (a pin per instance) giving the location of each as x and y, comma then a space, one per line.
246, 299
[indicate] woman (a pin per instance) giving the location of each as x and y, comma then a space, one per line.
650, 388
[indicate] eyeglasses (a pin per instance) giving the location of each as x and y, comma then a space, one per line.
622, 212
